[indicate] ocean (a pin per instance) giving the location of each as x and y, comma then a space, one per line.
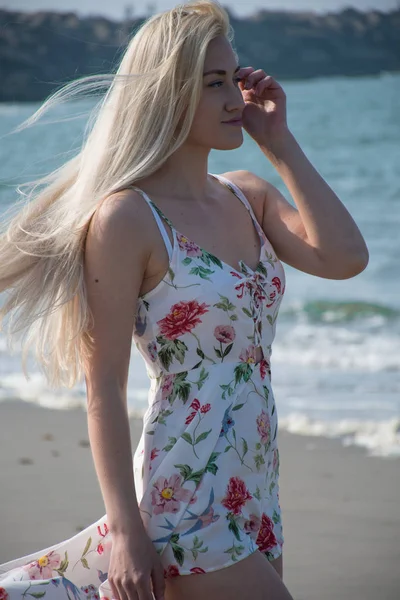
336, 356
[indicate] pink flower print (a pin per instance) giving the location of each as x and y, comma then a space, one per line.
188, 246
264, 427
182, 318
167, 386
224, 333
252, 524
264, 368
168, 493
3, 594
248, 355
205, 408
152, 350
44, 566
236, 495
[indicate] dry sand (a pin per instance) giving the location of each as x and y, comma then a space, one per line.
341, 509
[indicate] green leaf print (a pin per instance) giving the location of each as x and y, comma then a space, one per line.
276, 518
225, 304
187, 437
160, 418
257, 494
262, 269
88, 544
238, 406
258, 446
172, 442
179, 554
247, 312
275, 432
186, 261
227, 350
211, 467
235, 551
226, 388
37, 594
233, 526
218, 352
227, 448
171, 274
266, 392
233, 318
202, 378
188, 475
269, 319
200, 352
259, 460
203, 436
201, 272
85, 563
271, 487
181, 388
242, 371
63, 565
245, 447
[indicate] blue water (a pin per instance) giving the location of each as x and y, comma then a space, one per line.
336, 356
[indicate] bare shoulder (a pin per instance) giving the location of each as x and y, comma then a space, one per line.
254, 188
116, 254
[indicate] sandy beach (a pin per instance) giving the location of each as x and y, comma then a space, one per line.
341, 509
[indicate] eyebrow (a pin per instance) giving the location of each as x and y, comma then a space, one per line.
220, 71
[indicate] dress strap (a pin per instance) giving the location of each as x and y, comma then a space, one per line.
158, 215
239, 194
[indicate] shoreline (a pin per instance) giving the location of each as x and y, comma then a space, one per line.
340, 507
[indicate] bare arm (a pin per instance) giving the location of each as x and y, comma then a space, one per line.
116, 255
318, 236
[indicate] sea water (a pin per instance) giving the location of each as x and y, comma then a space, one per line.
336, 355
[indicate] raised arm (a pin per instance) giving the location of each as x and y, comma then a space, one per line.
116, 254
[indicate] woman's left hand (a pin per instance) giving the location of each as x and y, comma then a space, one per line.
264, 116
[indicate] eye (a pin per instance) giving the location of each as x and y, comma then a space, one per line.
216, 83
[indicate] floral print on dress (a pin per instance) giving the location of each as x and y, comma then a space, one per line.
206, 467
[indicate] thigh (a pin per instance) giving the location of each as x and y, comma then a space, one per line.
278, 565
252, 577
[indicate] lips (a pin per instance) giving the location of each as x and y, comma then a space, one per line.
233, 122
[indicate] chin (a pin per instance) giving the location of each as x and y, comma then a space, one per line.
229, 144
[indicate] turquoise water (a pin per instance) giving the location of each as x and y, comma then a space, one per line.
336, 356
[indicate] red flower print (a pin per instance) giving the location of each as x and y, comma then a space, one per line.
3, 594
277, 283
171, 571
196, 406
168, 494
100, 548
266, 538
197, 570
236, 495
154, 453
100, 531
184, 317
225, 333
264, 368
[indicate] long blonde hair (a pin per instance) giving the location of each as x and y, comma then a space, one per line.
144, 116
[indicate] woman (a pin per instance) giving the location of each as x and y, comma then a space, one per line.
134, 237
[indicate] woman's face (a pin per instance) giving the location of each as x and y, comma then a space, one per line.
221, 100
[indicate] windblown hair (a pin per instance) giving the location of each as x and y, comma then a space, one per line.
143, 117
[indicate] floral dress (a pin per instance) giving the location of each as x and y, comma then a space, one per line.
207, 464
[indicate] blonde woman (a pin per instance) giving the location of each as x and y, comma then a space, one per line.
134, 237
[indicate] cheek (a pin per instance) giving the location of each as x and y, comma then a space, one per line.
206, 119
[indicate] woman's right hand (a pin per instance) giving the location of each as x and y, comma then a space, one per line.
135, 571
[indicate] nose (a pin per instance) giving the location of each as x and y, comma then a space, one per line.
235, 101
